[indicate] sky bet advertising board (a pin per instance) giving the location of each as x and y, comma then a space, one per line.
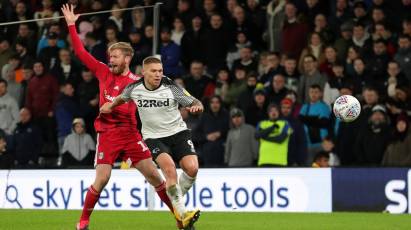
275, 190
374, 189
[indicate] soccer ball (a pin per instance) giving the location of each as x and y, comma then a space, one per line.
347, 108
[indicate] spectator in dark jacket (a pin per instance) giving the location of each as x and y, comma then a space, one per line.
6, 158
277, 90
297, 148
88, 94
66, 110
403, 55
373, 138
257, 110
211, 132
246, 98
27, 141
196, 82
377, 64
216, 44
49, 55
96, 48
170, 54
66, 70
192, 43
398, 151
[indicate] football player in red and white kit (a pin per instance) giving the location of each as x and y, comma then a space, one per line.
116, 132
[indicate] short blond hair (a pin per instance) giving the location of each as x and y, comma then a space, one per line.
151, 60
125, 48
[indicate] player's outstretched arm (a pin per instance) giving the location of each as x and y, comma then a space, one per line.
79, 50
108, 107
196, 107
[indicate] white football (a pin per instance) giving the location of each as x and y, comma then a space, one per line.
347, 108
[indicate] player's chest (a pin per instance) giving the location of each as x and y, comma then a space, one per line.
114, 87
158, 99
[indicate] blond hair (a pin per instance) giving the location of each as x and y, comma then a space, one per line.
125, 48
151, 60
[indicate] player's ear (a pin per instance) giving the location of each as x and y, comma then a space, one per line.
128, 59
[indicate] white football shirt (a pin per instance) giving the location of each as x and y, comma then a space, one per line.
158, 108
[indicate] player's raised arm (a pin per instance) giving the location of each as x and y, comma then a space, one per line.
78, 47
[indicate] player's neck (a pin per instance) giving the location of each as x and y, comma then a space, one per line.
148, 85
125, 72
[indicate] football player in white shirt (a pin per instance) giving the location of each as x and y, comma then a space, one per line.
164, 130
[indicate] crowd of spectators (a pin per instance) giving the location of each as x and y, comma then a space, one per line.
268, 72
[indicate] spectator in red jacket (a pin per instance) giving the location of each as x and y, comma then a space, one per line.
41, 99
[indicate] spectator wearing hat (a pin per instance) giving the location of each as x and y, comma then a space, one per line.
170, 54
373, 138
297, 150
257, 110
79, 147
96, 47
27, 141
49, 55
403, 56
310, 76
315, 115
344, 41
211, 133
44, 40
398, 152
241, 147
274, 137
5, 51
9, 110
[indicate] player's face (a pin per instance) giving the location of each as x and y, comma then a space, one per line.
153, 73
117, 62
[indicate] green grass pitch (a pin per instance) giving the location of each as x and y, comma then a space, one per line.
143, 220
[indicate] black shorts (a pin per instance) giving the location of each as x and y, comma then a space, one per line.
177, 146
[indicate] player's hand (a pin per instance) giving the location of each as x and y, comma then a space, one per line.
196, 109
106, 108
68, 12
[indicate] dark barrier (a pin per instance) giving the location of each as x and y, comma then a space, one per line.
371, 189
